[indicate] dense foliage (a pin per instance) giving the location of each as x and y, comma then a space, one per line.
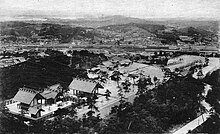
157, 110
212, 125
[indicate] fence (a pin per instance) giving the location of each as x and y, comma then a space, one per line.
8, 102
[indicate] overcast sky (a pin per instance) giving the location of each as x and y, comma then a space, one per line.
134, 8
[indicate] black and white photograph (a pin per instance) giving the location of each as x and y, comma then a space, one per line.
109, 66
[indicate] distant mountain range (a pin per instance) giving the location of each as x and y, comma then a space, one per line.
107, 27
93, 21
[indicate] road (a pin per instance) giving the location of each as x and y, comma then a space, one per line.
213, 65
199, 120
193, 124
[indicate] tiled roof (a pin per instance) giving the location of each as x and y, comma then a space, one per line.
48, 93
25, 95
55, 87
84, 85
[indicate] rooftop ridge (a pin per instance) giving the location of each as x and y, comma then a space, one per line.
84, 79
58, 84
25, 89
49, 89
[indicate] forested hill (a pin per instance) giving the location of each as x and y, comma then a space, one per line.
22, 31
166, 33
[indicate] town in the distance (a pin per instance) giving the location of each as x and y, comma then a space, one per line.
108, 75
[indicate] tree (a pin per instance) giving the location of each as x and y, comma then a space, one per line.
103, 79
72, 110
156, 80
206, 61
10, 123
212, 125
172, 75
91, 102
182, 101
116, 76
108, 93
112, 125
121, 95
103, 74
133, 76
143, 122
142, 85
200, 74
91, 124
126, 85
154, 112
213, 98
133, 118
149, 80
36, 126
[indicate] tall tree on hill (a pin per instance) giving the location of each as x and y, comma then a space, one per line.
91, 102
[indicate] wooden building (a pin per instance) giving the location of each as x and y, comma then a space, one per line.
78, 86
51, 96
30, 101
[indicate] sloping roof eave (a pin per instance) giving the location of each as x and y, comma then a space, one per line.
83, 85
26, 96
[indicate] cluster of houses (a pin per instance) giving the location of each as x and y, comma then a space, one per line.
113, 63
9, 61
34, 104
